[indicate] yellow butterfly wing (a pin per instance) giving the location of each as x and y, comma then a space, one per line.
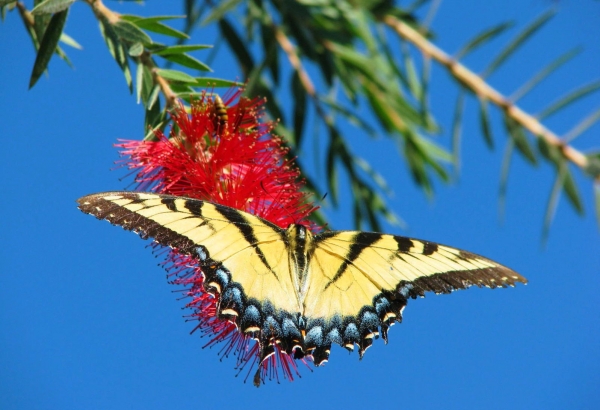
362, 280
244, 257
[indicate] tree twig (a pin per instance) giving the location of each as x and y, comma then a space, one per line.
103, 12
478, 85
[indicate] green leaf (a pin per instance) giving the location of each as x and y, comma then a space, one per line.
583, 125
517, 42
7, 2
593, 165
380, 107
116, 49
571, 190
564, 180
130, 33
218, 12
484, 119
153, 98
139, 81
175, 75
350, 116
70, 41
374, 175
347, 78
411, 73
51, 6
569, 99
351, 56
521, 142
136, 49
237, 46
551, 206
482, 38
48, 45
160, 28
216, 82
136, 19
545, 72
300, 103
551, 152
40, 23
179, 49
459, 108
144, 84
506, 160
330, 167
186, 61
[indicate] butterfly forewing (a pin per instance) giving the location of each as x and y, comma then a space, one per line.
250, 249
350, 269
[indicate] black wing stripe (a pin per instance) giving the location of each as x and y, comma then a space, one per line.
361, 242
247, 231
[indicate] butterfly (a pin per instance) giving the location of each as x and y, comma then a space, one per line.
300, 290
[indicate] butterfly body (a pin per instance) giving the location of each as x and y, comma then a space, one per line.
290, 287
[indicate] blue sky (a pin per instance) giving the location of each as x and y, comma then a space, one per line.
89, 322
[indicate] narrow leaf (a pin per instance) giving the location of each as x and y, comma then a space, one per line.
482, 38
116, 49
48, 45
299, 94
593, 165
374, 175
136, 49
51, 6
136, 19
331, 169
70, 41
571, 190
484, 118
551, 152
518, 41
237, 45
506, 160
545, 72
153, 98
459, 108
175, 75
350, 116
180, 49
216, 82
7, 2
569, 99
139, 81
161, 28
580, 128
552, 204
130, 32
220, 10
520, 138
186, 61
411, 73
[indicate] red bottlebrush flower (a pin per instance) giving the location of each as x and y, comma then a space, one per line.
221, 152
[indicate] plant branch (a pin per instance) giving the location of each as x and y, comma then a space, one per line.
290, 50
482, 89
103, 12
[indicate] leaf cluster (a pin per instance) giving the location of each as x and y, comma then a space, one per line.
336, 58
